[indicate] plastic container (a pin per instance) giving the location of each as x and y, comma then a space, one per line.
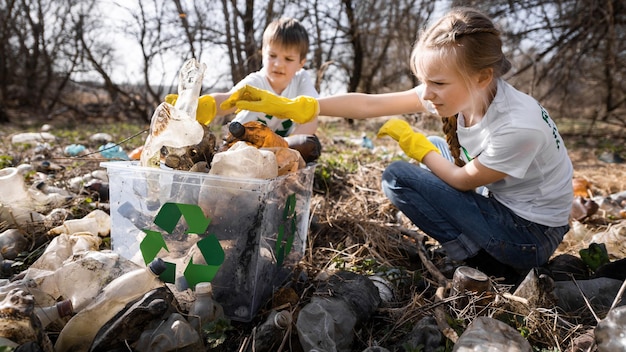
79, 332
52, 313
261, 226
204, 309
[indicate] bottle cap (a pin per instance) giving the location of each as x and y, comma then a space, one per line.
157, 266
65, 308
236, 129
204, 287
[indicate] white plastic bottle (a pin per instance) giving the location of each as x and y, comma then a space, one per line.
79, 332
204, 309
52, 313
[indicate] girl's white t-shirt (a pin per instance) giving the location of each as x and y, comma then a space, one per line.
517, 137
300, 84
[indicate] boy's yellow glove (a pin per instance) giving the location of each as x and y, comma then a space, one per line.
414, 144
301, 109
207, 108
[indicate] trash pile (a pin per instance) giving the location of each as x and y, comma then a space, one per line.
84, 294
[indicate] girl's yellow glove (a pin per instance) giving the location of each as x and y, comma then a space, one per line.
207, 107
414, 144
301, 109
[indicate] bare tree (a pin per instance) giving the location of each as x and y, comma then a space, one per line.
570, 51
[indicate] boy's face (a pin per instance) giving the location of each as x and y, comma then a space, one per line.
281, 64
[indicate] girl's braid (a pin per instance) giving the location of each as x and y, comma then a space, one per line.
449, 128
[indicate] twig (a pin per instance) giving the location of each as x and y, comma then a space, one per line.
587, 301
439, 313
440, 317
421, 252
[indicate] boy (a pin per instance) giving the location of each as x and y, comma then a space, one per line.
284, 50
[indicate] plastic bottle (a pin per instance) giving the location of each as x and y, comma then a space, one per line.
14, 191
254, 133
204, 309
52, 313
79, 332
270, 334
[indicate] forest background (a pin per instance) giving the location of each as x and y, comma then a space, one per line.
91, 58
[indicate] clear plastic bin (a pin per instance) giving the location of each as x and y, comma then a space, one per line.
247, 216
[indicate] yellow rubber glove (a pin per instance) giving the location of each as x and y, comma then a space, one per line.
207, 107
301, 109
414, 144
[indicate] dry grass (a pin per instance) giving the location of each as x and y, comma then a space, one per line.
354, 227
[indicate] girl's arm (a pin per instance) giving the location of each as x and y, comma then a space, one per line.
465, 178
362, 106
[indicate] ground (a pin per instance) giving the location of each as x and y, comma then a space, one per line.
353, 225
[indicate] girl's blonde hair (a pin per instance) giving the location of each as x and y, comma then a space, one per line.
468, 41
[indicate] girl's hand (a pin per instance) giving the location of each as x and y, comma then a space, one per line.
414, 144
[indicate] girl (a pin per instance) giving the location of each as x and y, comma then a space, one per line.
499, 137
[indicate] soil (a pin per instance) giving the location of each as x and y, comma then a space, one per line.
353, 225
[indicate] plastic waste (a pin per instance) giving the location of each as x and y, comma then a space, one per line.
113, 151
101, 138
174, 334
269, 335
245, 161
254, 133
33, 137
17, 323
14, 192
425, 336
176, 126
367, 143
97, 222
12, 243
609, 333
74, 149
327, 322
489, 334
288, 160
53, 313
80, 331
309, 146
204, 309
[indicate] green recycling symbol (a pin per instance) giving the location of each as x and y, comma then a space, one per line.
283, 245
212, 251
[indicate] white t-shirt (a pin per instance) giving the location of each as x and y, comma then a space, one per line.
301, 84
517, 137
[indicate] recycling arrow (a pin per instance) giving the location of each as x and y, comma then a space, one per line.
167, 218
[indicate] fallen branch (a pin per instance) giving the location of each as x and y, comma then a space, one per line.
444, 284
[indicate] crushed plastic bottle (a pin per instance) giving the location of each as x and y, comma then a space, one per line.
243, 160
172, 335
80, 331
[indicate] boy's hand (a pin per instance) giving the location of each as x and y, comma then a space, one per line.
207, 107
301, 109
414, 144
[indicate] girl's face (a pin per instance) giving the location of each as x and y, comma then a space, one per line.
447, 90
281, 64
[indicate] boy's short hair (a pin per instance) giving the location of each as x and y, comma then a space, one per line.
287, 32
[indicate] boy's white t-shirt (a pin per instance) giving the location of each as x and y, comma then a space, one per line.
517, 137
301, 84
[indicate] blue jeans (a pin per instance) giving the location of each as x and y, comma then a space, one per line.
465, 222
